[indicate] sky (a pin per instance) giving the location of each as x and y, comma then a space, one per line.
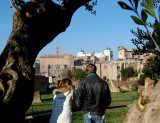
110, 27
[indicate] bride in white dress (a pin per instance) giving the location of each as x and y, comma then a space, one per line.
62, 102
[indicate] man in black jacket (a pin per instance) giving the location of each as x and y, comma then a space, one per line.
93, 96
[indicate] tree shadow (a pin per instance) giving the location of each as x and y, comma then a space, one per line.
124, 91
49, 99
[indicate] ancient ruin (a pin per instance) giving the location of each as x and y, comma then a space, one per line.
37, 97
113, 87
148, 112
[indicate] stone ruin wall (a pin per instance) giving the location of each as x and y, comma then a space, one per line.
147, 113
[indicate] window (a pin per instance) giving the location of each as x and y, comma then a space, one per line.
65, 66
105, 66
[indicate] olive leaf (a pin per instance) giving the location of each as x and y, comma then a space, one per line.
136, 3
144, 15
137, 20
124, 6
148, 10
150, 3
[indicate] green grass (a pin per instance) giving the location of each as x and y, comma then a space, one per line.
45, 106
124, 97
116, 115
113, 115
77, 117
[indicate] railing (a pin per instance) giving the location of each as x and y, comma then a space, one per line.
35, 109
49, 113
39, 110
37, 115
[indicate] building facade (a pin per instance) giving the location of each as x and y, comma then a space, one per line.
55, 64
128, 54
103, 69
116, 66
84, 60
106, 55
126, 58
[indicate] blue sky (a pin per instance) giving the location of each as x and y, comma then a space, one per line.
109, 28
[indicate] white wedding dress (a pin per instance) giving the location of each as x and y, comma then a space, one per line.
62, 108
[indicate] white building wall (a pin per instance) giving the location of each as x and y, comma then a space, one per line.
106, 53
80, 54
98, 55
88, 54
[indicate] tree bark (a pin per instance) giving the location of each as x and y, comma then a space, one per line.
34, 26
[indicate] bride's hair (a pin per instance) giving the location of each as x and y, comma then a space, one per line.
65, 85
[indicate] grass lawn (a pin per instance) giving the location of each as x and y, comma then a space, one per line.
116, 115
112, 115
45, 106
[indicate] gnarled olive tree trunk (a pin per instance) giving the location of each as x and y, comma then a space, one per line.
34, 26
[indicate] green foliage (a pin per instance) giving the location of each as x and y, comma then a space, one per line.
104, 77
124, 5
145, 100
142, 79
152, 43
155, 2
116, 115
118, 76
76, 74
143, 42
137, 20
135, 73
151, 69
127, 73
69, 74
42, 107
149, 8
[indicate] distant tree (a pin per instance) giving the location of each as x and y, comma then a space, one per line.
141, 80
78, 73
143, 43
127, 73
35, 24
118, 77
151, 69
69, 74
135, 73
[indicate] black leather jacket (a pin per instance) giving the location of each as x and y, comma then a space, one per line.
93, 95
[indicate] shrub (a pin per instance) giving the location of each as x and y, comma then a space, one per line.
127, 73
141, 81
